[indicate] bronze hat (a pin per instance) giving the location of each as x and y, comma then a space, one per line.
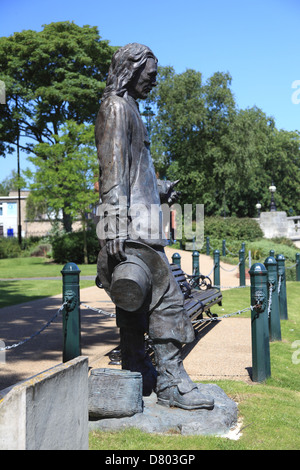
130, 282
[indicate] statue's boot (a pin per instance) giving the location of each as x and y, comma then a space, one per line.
174, 386
136, 359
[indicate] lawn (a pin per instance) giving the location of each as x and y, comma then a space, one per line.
15, 292
37, 267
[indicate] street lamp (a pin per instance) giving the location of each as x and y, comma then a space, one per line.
272, 190
258, 207
148, 113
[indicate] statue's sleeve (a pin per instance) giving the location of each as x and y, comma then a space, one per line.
114, 154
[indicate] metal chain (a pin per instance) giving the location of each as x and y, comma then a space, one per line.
233, 254
279, 283
270, 300
99, 310
290, 267
231, 287
37, 333
227, 315
230, 270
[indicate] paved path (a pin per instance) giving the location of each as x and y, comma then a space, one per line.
224, 352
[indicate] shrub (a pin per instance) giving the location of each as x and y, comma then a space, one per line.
9, 248
68, 247
233, 228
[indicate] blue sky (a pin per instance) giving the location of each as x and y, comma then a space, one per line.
256, 41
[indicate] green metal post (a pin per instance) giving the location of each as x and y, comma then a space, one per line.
207, 246
176, 259
242, 268
272, 253
243, 246
223, 247
196, 268
273, 307
282, 287
71, 312
297, 266
217, 268
261, 364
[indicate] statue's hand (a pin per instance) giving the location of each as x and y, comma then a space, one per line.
115, 248
173, 196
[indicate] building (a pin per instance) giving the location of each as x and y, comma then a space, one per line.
9, 213
9, 218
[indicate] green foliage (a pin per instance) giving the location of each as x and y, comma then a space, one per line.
233, 228
50, 76
69, 247
9, 248
66, 173
225, 157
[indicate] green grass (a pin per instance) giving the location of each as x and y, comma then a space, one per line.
270, 411
15, 292
37, 267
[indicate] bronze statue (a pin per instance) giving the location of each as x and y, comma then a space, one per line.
132, 264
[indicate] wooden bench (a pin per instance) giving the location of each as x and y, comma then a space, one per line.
198, 292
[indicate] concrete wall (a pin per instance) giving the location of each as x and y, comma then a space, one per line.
48, 411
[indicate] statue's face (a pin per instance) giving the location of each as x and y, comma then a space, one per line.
144, 80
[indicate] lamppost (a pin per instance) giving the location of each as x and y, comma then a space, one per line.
258, 207
148, 113
272, 190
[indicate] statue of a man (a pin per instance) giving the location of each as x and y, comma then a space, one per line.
152, 302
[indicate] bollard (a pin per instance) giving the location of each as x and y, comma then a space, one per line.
242, 268
243, 246
272, 253
297, 266
176, 259
223, 247
217, 268
261, 365
71, 312
207, 246
273, 307
196, 268
282, 287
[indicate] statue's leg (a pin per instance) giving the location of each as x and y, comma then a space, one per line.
136, 359
174, 386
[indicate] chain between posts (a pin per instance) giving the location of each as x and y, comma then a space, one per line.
38, 332
99, 310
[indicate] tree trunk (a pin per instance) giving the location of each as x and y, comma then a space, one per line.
67, 222
85, 251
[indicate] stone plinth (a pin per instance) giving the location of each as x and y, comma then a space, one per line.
159, 419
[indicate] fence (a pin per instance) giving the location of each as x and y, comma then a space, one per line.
268, 306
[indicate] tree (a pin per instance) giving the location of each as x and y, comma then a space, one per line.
66, 173
225, 157
51, 76
12, 182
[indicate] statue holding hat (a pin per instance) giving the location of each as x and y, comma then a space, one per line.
132, 264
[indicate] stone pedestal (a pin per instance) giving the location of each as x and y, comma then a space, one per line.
159, 419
